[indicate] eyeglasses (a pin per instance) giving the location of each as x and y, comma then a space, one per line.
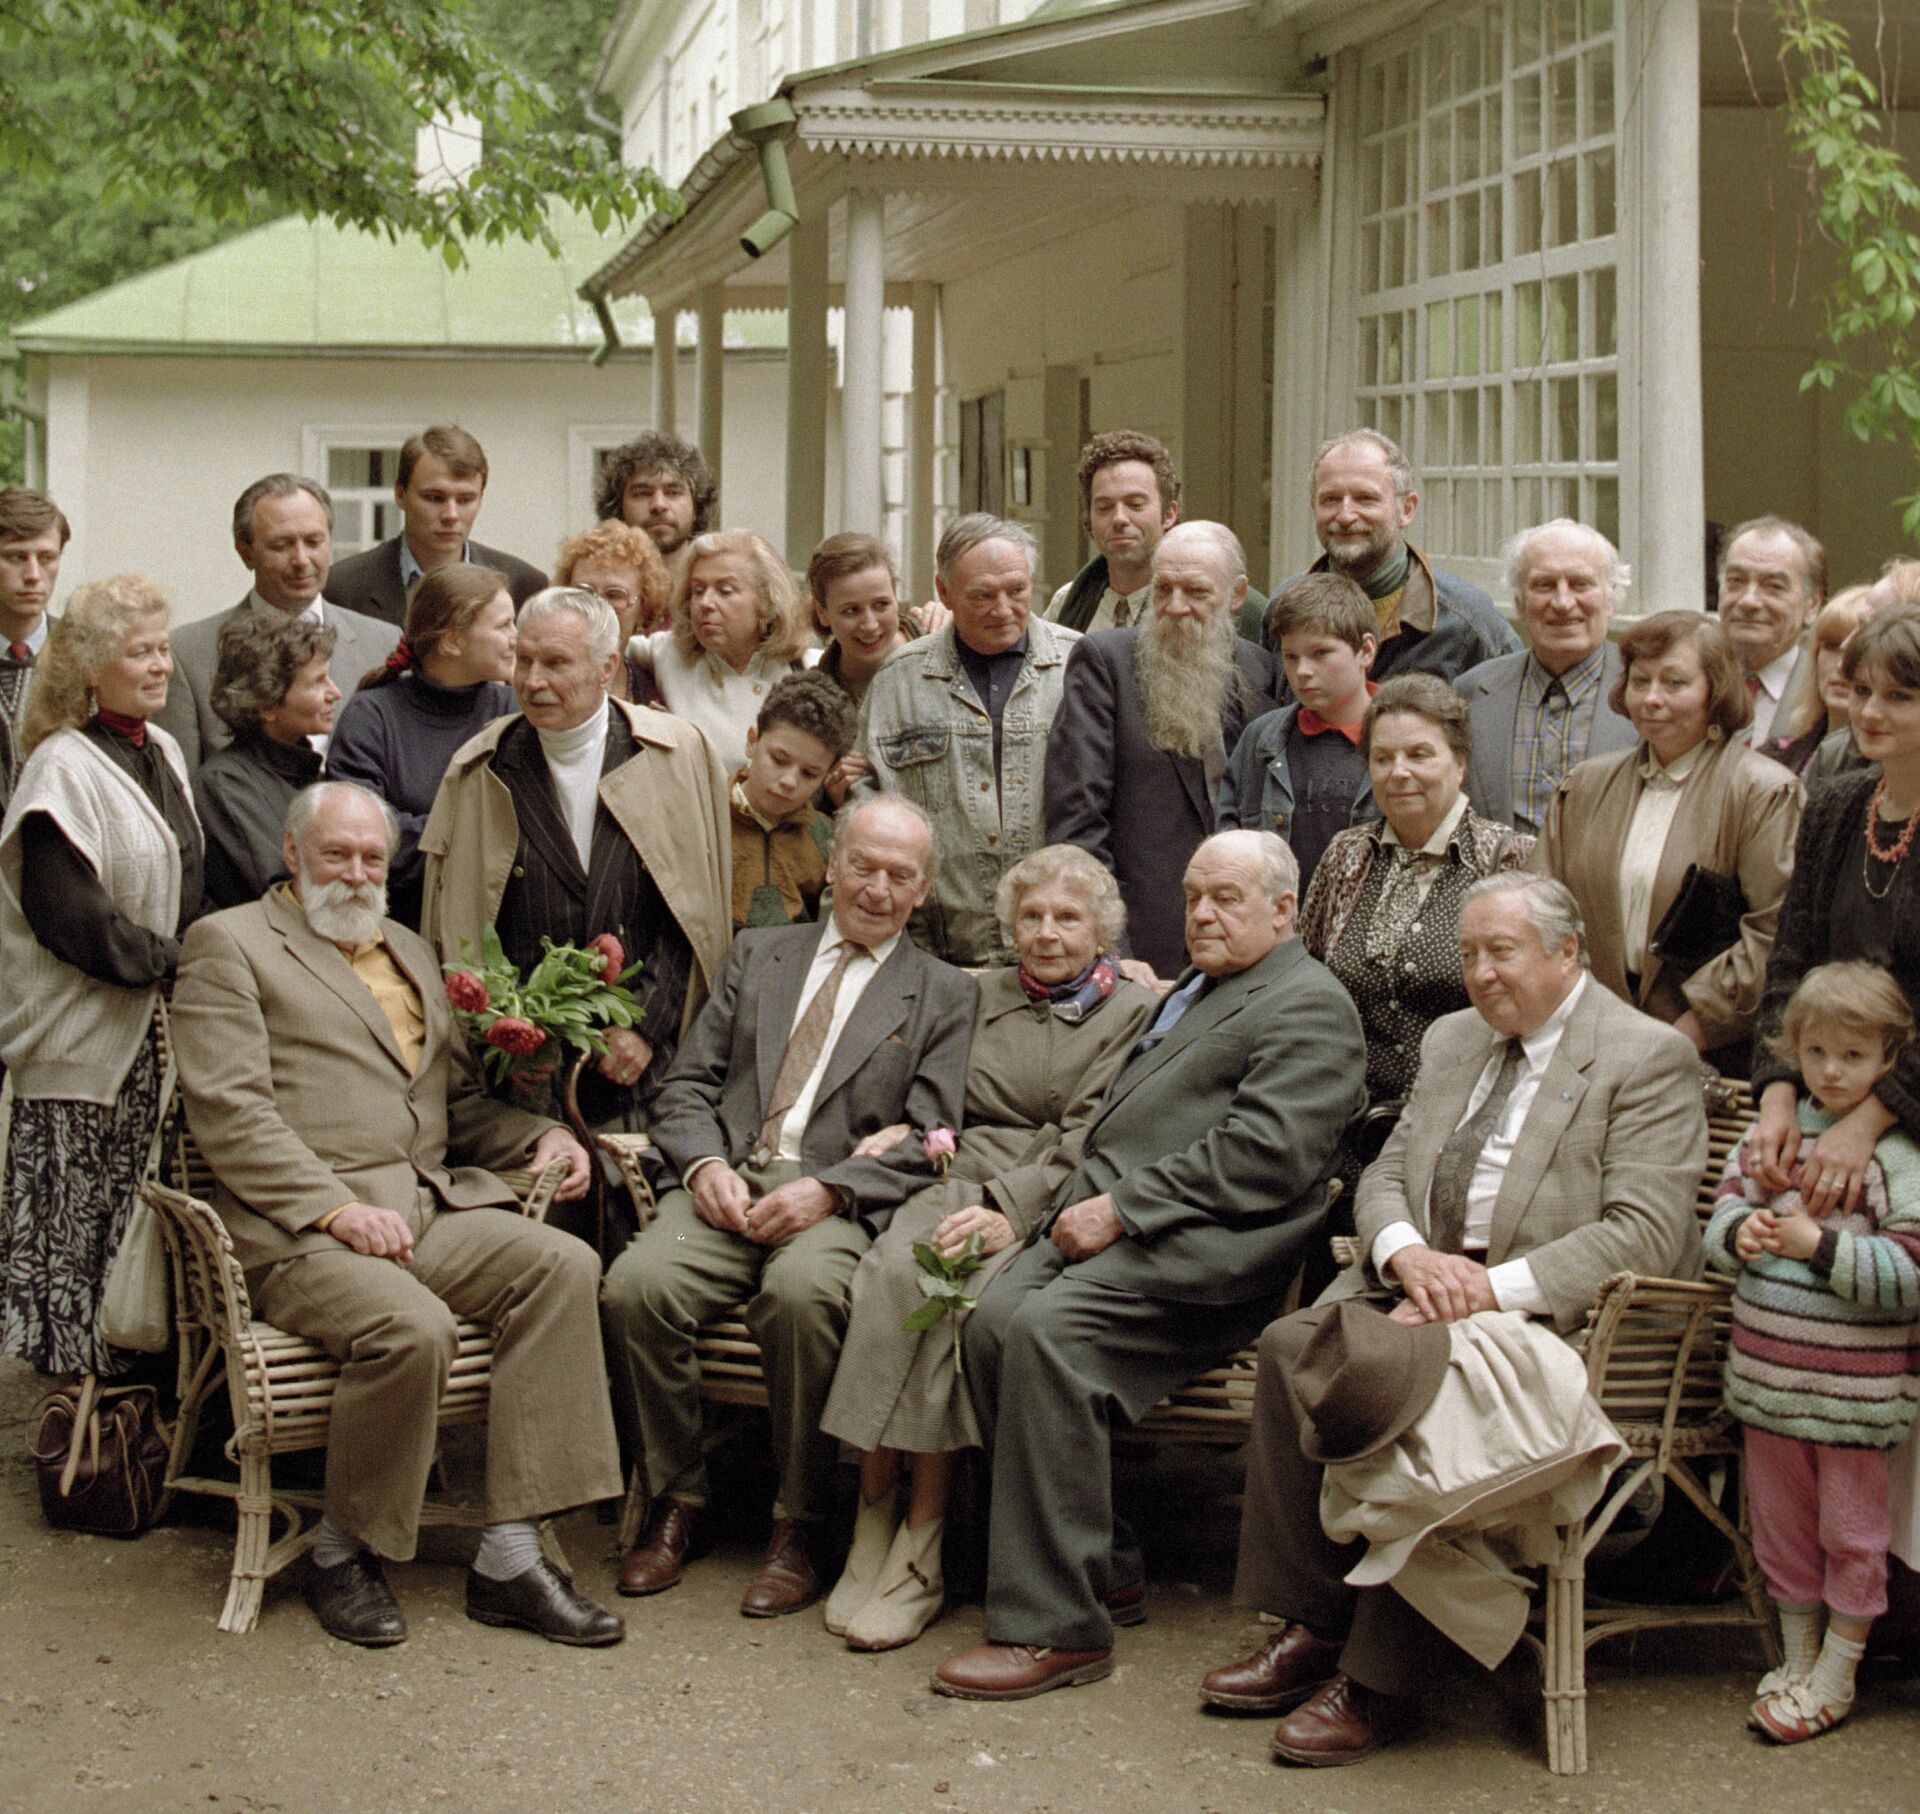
617, 596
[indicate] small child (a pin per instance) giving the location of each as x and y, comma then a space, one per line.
779, 837
1298, 771
1819, 1370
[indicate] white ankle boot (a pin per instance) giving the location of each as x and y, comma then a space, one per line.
866, 1560
909, 1594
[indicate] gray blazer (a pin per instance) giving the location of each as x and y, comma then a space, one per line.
369, 582
1216, 1143
902, 1056
1602, 1177
363, 642
1492, 691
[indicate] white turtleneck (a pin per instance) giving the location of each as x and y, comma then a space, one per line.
574, 759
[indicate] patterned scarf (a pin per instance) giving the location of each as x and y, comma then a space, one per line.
1400, 901
1076, 998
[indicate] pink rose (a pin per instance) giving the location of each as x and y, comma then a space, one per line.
613, 958
520, 1037
939, 1146
467, 992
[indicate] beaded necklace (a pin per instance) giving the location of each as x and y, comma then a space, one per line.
1894, 856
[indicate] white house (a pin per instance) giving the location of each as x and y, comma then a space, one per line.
1555, 247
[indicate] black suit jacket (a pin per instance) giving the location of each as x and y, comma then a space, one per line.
902, 1056
370, 581
1141, 811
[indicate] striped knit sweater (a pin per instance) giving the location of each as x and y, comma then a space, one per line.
1823, 1348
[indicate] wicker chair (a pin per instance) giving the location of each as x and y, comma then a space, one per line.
280, 1387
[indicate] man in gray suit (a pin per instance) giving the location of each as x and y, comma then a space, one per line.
1199, 1187
815, 1037
1554, 1137
283, 534
1772, 582
1538, 712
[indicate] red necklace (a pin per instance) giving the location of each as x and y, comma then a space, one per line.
1897, 853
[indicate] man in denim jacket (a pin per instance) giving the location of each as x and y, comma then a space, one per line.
957, 722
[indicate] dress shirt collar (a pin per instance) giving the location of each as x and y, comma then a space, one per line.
832, 938
1443, 833
1675, 772
1576, 682
411, 570
1544, 1040
1774, 676
35, 642
313, 613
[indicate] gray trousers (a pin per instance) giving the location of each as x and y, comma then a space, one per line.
1290, 1566
677, 1274
550, 1441
1053, 1360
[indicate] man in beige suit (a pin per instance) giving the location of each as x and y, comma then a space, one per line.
1553, 1137
345, 1118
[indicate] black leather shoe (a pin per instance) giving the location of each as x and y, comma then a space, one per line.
352, 1601
538, 1600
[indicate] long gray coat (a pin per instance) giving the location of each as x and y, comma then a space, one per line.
1034, 1085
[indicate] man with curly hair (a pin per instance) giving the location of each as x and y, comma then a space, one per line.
659, 483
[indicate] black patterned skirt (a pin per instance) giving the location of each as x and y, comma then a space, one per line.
73, 1170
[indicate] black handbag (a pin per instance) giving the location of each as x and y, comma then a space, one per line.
101, 1456
1703, 921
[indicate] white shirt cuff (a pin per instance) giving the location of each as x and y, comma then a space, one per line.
1390, 1240
693, 1171
1515, 1288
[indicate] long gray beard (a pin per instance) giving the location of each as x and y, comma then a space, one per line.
342, 914
1186, 674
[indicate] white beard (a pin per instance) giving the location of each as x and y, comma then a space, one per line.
1186, 674
341, 913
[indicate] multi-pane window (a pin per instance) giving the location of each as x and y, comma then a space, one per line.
361, 480
1488, 319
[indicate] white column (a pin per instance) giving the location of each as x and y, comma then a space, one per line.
666, 367
1663, 501
862, 495
1299, 382
710, 376
806, 388
922, 433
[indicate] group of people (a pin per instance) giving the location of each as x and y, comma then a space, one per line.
1103, 948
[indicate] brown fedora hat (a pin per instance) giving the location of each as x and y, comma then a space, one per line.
1361, 1379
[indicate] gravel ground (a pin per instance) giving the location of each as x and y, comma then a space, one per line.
116, 1692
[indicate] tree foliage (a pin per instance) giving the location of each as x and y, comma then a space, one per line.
1869, 208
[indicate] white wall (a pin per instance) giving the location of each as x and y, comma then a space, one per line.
147, 455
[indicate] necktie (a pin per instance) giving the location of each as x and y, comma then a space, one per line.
804, 1046
1122, 611
1453, 1170
18, 651
1753, 686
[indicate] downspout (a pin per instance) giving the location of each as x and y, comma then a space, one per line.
611, 343
767, 127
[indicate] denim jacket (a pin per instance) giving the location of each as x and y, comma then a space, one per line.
930, 740
1256, 792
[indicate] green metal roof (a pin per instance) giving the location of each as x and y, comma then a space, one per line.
301, 286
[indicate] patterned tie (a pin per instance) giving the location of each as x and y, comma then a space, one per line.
18, 651
1453, 1170
1122, 611
804, 1046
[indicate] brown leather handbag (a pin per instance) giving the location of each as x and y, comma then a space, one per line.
100, 1453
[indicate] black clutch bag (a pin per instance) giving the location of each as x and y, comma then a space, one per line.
1703, 921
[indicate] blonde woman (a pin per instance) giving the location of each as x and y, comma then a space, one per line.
1817, 706
100, 874
737, 624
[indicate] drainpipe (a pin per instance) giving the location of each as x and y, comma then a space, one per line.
610, 343
767, 127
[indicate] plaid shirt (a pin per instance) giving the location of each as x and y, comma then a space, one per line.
1551, 729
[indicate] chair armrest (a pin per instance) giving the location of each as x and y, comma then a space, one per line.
627, 1151
536, 1194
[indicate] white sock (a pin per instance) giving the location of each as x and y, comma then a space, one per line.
1833, 1673
507, 1550
333, 1546
1799, 1637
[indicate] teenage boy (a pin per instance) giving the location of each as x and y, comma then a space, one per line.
1298, 770
779, 837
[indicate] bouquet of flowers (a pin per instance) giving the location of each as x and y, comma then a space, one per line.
572, 995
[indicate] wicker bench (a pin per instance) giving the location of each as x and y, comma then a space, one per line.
279, 1387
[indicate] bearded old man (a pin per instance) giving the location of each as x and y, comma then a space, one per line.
1146, 721
355, 1147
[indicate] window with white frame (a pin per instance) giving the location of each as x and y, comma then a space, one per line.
361, 475
1488, 307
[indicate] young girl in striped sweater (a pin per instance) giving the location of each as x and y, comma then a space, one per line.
1820, 1369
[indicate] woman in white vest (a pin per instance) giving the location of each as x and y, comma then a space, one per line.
100, 873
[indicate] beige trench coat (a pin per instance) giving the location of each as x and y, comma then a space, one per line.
1034, 1085
670, 800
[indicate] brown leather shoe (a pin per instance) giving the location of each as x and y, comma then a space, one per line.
787, 1580
1127, 1605
659, 1559
1343, 1723
1283, 1672
1017, 1672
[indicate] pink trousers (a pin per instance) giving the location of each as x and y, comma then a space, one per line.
1820, 1523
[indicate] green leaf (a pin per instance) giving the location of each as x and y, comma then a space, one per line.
923, 1318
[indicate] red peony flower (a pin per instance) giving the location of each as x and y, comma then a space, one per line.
614, 959
520, 1037
467, 992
